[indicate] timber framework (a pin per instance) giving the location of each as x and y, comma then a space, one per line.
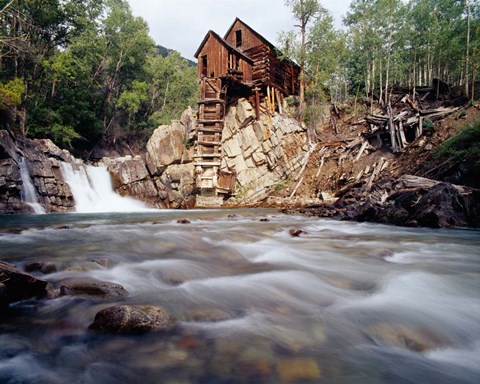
241, 64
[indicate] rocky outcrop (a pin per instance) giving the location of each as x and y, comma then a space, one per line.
162, 176
133, 319
16, 285
415, 201
261, 152
43, 162
408, 201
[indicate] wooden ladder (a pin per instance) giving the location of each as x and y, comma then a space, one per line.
208, 146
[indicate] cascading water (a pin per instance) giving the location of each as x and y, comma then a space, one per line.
93, 192
29, 193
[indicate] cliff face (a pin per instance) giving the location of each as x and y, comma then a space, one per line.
263, 153
43, 162
161, 176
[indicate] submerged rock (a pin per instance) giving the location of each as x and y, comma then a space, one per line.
133, 319
208, 315
91, 287
17, 285
292, 370
401, 336
183, 221
44, 267
295, 232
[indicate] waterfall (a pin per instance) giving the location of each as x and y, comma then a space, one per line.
29, 193
93, 192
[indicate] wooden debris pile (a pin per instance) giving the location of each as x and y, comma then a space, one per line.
404, 120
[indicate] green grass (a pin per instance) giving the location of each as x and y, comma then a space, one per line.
463, 147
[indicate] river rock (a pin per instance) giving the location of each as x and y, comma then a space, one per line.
133, 319
44, 267
91, 287
293, 370
18, 285
295, 232
402, 336
208, 315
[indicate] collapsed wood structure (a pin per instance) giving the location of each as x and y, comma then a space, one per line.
404, 119
242, 64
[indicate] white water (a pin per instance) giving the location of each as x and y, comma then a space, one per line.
29, 193
344, 303
93, 192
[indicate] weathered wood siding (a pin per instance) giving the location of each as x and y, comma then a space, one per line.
218, 56
267, 68
249, 39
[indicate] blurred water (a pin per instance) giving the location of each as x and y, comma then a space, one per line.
344, 303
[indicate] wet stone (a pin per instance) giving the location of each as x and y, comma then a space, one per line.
44, 267
18, 285
296, 232
133, 319
183, 221
102, 262
264, 220
91, 287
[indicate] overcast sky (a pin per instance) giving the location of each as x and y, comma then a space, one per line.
182, 24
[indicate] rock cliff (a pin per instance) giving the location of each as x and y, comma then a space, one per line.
263, 152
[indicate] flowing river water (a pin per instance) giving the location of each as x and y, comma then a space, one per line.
343, 303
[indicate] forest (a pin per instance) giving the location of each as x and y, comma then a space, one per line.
84, 71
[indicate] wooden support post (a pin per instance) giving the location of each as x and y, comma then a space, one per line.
257, 104
268, 99
391, 128
419, 131
272, 94
279, 101
403, 139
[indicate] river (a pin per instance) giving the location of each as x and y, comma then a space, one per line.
343, 303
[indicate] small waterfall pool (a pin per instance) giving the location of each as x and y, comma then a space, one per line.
343, 303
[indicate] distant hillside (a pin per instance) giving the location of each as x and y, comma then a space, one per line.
161, 50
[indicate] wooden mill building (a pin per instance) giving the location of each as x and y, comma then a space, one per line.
241, 64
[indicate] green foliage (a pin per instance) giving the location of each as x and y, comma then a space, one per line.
86, 69
428, 125
173, 87
280, 186
63, 134
463, 147
11, 93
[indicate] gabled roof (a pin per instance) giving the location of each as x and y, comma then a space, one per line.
223, 42
261, 38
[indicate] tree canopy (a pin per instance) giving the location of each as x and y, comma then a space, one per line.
84, 70
386, 42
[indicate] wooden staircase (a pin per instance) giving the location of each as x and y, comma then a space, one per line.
208, 144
